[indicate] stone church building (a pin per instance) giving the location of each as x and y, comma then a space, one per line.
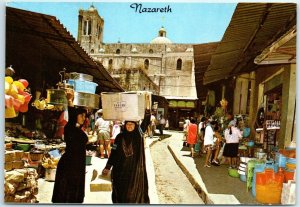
162, 67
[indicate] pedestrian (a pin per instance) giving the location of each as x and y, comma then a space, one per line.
232, 136
209, 141
104, 131
152, 126
129, 176
185, 126
201, 133
167, 124
162, 122
192, 136
216, 146
115, 131
70, 173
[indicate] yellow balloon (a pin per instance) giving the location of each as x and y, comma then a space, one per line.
19, 85
9, 79
7, 87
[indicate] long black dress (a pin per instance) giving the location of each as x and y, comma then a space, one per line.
70, 174
129, 175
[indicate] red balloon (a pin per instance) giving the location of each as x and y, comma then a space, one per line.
23, 108
24, 82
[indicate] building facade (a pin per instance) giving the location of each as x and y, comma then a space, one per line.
162, 67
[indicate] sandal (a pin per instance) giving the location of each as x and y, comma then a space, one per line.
207, 166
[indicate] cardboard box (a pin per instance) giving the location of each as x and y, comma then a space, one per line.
128, 106
101, 183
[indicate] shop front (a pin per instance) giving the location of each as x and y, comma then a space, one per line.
33, 136
179, 110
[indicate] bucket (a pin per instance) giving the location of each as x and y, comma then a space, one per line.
50, 174
268, 187
88, 160
280, 159
243, 178
260, 167
288, 175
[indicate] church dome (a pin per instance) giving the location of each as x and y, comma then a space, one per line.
92, 8
162, 37
161, 40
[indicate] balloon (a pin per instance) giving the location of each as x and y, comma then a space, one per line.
8, 101
24, 108
24, 82
9, 79
10, 112
19, 85
7, 87
17, 103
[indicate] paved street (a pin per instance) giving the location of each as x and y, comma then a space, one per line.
213, 185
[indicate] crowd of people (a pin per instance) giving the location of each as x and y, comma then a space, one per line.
219, 143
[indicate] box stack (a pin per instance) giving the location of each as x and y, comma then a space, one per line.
13, 160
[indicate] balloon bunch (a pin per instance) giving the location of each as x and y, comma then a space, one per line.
17, 96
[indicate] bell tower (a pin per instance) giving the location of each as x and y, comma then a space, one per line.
90, 30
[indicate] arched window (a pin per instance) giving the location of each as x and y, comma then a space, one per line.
92, 51
179, 64
151, 51
118, 51
146, 64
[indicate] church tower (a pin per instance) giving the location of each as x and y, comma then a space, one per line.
90, 30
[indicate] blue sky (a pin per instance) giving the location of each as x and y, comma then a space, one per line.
188, 23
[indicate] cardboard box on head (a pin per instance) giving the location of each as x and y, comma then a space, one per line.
126, 105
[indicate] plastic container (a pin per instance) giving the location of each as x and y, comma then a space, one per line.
233, 173
83, 86
88, 160
24, 147
250, 144
280, 159
288, 175
260, 167
243, 178
269, 187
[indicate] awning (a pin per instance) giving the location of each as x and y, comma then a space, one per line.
38, 45
202, 57
282, 51
180, 98
253, 27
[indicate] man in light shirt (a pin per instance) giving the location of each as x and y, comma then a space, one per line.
104, 131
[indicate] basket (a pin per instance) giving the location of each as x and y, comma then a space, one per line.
34, 156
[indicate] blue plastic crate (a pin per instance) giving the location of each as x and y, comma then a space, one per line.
83, 86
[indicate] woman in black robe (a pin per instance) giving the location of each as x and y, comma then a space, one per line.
129, 176
70, 174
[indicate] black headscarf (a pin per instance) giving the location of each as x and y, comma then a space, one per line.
73, 113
